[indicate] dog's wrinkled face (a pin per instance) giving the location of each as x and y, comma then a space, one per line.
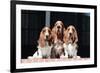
47, 33
70, 35
59, 26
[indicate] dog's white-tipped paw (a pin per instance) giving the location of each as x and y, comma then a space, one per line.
62, 57
76, 57
30, 57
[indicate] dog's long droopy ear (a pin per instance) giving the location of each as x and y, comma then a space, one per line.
41, 40
76, 35
54, 29
53, 34
65, 38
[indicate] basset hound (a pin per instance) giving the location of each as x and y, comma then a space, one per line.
70, 42
44, 44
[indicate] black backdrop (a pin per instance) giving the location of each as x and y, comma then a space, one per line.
33, 21
31, 24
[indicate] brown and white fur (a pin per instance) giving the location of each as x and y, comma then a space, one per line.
70, 42
57, 50
57, 31
57, 39
44, 44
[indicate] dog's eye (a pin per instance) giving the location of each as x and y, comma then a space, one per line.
43, 31
55, 24
73, 30
49, 31
68, 29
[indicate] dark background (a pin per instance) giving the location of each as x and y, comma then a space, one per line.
32, 23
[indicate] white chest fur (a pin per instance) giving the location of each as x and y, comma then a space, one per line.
43, 51
70, 49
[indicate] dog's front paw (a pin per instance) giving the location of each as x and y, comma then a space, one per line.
76, 57
63, 57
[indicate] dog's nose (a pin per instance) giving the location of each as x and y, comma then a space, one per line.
70, 34
47, 36
58, 27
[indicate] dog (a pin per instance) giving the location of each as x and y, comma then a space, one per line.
44, 44
57, 31
70, 42
57, 39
